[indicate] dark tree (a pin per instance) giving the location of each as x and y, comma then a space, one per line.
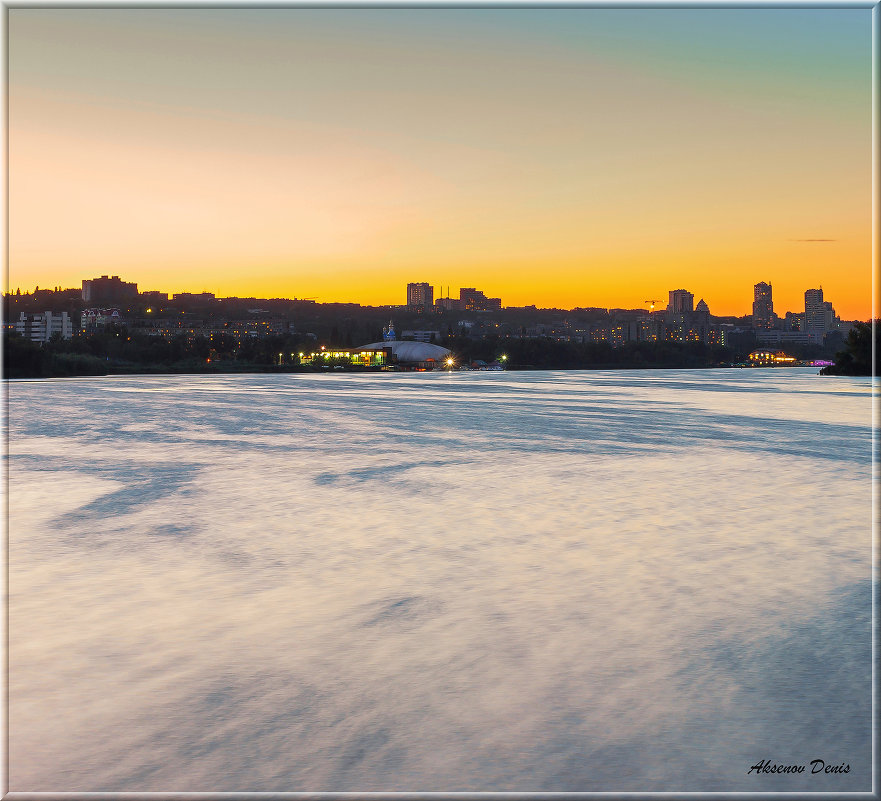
856, 359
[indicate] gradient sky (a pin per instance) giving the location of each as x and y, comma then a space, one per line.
562, 157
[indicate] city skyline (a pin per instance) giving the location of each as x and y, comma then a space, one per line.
561, 157
678, 300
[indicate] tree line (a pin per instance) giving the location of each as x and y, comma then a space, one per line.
116, 350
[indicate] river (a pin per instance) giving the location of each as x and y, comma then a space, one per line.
518, 581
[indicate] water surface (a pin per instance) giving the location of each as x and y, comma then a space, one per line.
548, 581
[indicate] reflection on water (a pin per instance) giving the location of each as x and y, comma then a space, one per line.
621, 581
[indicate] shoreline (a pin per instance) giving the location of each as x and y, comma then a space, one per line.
308, 371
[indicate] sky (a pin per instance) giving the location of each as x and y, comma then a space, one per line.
557, 157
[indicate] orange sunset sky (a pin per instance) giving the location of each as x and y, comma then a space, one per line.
562, 157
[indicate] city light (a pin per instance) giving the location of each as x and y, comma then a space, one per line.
685, 319
767, 357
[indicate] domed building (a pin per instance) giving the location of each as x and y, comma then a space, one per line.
388, 354
405, 354
413, 355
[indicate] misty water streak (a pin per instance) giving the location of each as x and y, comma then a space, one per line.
515, 581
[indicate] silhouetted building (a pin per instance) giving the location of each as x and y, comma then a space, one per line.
685, 327
649, 329
153, 297
194, 298
763, 306
793, 321
699, 322
766, 336
108, 290
420, 296
829, 319
680, 301
474, 300
815, 312
449, 304
681, 322
740, 340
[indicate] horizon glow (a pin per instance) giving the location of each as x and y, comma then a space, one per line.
557, 157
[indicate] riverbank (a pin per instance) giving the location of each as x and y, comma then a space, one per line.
117, 353
232, 369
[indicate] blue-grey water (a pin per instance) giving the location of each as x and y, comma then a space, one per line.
548, 581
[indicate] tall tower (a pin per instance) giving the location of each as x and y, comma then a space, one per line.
681, 301
763, 306
815, 312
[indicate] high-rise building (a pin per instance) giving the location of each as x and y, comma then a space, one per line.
763, 306
829, 317
815, 311
681, 301
108, 289
420, 296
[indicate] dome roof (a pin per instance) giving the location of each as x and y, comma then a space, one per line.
410, 351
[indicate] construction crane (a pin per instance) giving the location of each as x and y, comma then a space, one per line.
652, 302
